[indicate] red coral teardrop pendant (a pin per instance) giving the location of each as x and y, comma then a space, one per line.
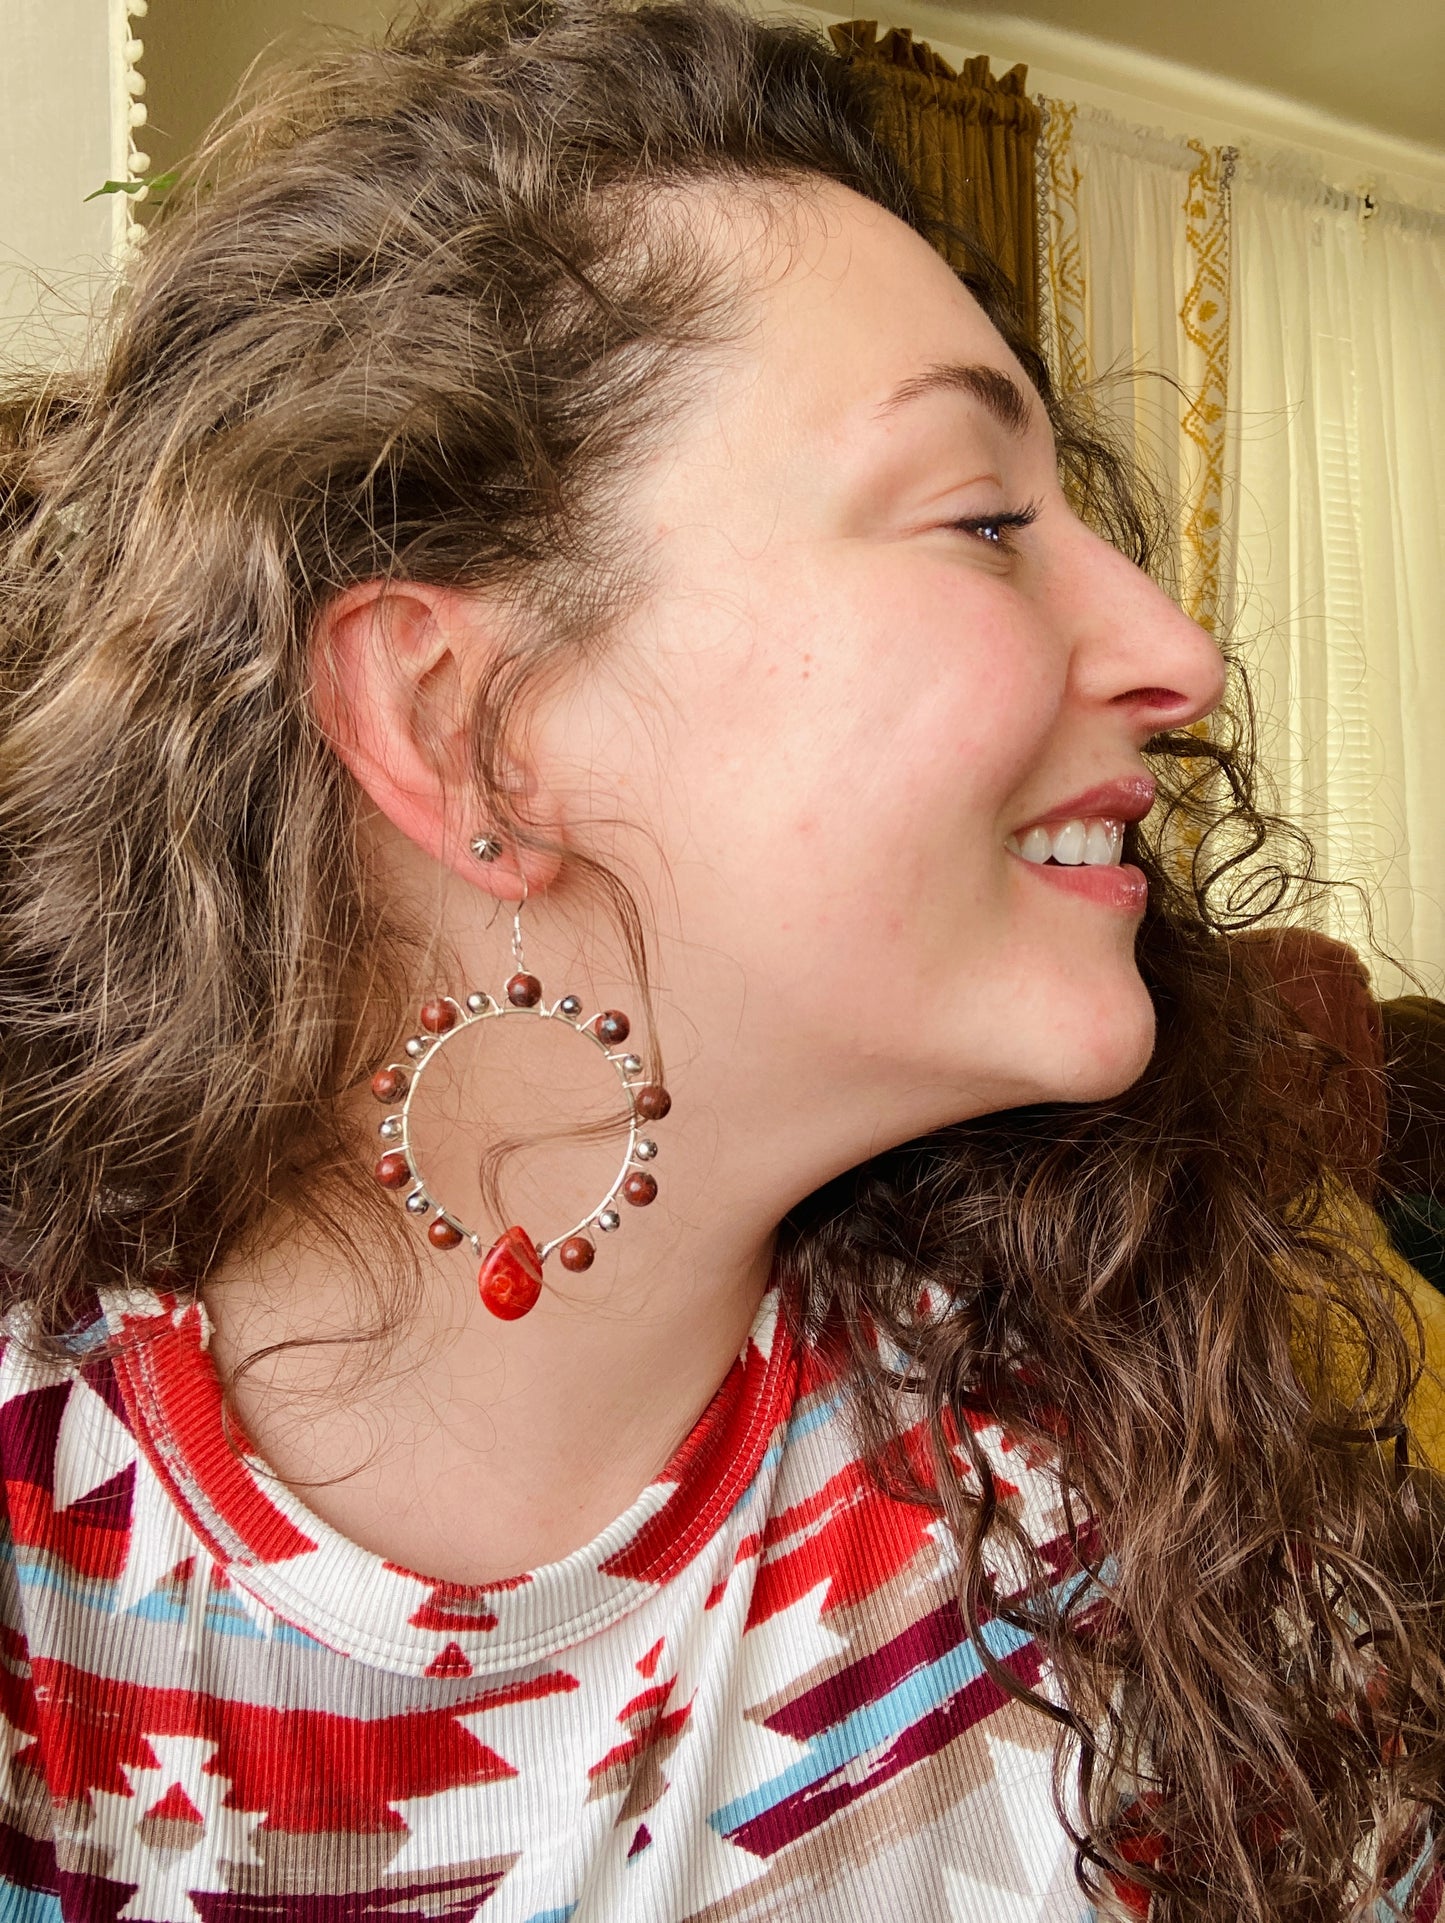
510, 1279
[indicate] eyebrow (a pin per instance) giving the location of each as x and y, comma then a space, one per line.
996, 391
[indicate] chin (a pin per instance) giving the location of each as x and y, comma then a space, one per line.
1107, 1049
1115, 1056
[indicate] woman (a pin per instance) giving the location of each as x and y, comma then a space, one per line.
551, 538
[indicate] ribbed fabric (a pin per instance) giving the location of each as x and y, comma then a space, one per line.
751, 1697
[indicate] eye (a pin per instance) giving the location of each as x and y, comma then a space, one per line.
998, 530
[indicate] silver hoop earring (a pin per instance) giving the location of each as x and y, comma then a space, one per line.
510, 1278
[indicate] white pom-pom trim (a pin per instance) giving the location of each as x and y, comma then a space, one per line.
136, 163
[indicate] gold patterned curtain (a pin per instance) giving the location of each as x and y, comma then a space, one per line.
1135, 293
968, 141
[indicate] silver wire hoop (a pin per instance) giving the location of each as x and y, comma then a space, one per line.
444, 1018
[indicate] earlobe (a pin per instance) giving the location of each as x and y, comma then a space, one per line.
394, 666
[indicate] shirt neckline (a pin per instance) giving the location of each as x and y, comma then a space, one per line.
299, 1575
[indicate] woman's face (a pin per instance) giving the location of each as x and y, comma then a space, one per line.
857, 689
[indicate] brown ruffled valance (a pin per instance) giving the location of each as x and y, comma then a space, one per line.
968, 142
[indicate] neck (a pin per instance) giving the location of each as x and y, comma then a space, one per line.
470, 1449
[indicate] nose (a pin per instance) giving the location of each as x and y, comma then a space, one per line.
1134, 650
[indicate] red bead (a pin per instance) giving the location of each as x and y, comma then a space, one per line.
576, 1254
438, 1016
640, 1188
510, 1278
443, 1234
388, 1085
653, 1102
524, 991
613, 1027
393, 1171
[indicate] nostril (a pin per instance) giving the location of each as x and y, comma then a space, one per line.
1156, 698
1165, 708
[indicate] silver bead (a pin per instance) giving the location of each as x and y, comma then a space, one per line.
570, 1006
645, 1150
632, 1064
486, 848
609, 1220
418, 1203
417, 1046
477, 1002
390, 1128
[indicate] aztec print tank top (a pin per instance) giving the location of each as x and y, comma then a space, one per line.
752, 1696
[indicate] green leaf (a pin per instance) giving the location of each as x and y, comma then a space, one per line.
158, 184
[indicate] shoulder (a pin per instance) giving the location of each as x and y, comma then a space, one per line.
65, 1437
1419, 1896
32, 1367
53, 1462
35, 1386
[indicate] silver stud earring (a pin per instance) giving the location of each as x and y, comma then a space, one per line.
486, 848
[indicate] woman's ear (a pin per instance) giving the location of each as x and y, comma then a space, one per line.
395, 669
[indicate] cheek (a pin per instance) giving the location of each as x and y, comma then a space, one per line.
831, 762
847, 765
959, 713
902, 695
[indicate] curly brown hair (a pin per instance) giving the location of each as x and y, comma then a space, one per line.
412, 317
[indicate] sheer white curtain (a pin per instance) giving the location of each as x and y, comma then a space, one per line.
1300, 424
1337, 460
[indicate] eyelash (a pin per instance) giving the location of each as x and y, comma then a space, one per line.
1007, 524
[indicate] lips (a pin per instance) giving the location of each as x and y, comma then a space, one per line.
1126, 799
1077, 846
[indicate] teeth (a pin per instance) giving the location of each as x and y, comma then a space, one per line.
1099, 845
1036, 845
1069, 844
1095, 843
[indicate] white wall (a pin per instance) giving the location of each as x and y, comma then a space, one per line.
1151, 92
62, 133
198, 52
